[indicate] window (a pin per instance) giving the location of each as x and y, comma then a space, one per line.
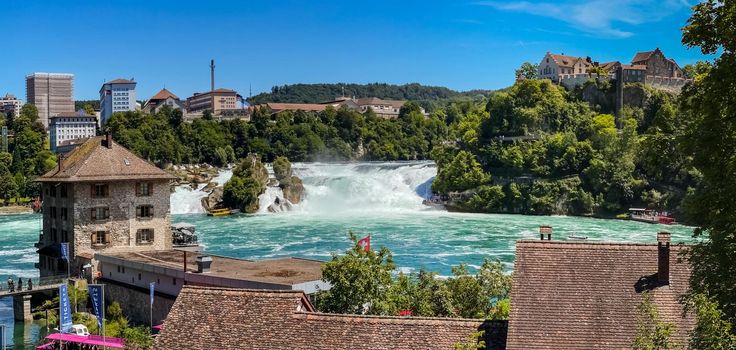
118, 268
64, 213
53, 212
62, 191
143, 189
144, 211
139, 276
64, 236
52, 191
100, 191
100, 213
144, 236
100, 238
53, 235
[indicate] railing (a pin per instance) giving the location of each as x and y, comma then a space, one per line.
36, 283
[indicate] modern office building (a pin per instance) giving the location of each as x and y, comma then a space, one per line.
71, 126
215, 101
116, 96
51, 93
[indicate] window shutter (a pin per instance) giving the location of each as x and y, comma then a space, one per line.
94, 238
92, 214
138, 211
137, 188
106, 213
150, 188
92, 190
107, 237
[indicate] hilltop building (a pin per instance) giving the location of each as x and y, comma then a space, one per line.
51, 93
216, 101
574, 295
163, 98
66, 127
116, 96
650, 67
388, 109
10, 104
260, 319
101, 198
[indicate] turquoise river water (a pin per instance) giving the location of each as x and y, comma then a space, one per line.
380, 199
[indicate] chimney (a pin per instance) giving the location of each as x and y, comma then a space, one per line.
108, 140
663, 257
203, 263
212, 75
61, 161
545, 230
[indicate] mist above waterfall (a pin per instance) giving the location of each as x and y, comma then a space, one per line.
333, 188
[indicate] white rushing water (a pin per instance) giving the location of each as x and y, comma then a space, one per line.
341, 187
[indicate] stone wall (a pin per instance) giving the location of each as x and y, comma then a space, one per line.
122, 224
135, 302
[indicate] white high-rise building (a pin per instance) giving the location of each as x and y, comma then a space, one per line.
116, 96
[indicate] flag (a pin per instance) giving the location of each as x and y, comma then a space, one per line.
151, 287
65, 310
95, 293
365, 243
65, 251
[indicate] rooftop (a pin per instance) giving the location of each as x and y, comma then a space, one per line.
95, 161
575, 295
120, 81
287, 271
163, 94
258, 319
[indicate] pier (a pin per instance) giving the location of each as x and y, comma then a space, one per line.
22, 297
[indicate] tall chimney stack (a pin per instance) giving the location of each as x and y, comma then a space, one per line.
212, 75
545, 230
663, 257
108, 140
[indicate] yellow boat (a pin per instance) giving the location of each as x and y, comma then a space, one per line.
219, 212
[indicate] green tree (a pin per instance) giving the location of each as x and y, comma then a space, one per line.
463, 173
527, 70
651, 332
138, 338
89, 109
360, 281
282, 170
712, 330
709, 110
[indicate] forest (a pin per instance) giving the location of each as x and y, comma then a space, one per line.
429, 97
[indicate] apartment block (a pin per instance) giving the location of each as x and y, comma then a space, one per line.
51, 93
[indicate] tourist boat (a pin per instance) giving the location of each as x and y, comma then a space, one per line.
435, 203
223, 212
651, 216
73, 341
574, 236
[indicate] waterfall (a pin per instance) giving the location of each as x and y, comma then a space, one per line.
338, 187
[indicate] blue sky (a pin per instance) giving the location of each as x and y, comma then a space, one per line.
459, 44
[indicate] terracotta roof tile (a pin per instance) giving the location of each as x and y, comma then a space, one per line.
642, 56
93, 161
163, 94
584, 295
218, 318
568, 61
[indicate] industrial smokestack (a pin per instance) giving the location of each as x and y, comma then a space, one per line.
212, 75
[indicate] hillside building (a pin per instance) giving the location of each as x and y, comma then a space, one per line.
101, 198
163, 98
216, 101
10, 104
558, 67
66, 127
116, 96
51, 93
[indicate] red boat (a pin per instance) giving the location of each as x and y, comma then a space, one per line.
651, 216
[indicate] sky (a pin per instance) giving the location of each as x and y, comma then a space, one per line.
460, 44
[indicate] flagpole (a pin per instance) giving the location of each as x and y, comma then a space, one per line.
104, 343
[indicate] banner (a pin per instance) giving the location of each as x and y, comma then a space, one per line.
65, 251
95, 293
65, 310
151, 287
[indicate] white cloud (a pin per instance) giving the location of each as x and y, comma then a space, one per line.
596, 17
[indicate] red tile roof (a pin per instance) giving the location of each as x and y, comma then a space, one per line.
642, 56
568, 295
307, 107
163, 94
219, 318
568, 61
93, 161
375, 101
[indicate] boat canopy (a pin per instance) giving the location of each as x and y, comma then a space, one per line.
108, 342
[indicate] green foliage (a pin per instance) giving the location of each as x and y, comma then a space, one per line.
651, 332
709, 110
138, 338
712, 329
527, 70
463, 173
247, 183
473, 343
282, 170
362, 282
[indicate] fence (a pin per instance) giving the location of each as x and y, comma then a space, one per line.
36, 283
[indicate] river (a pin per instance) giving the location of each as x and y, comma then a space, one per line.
380, 199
